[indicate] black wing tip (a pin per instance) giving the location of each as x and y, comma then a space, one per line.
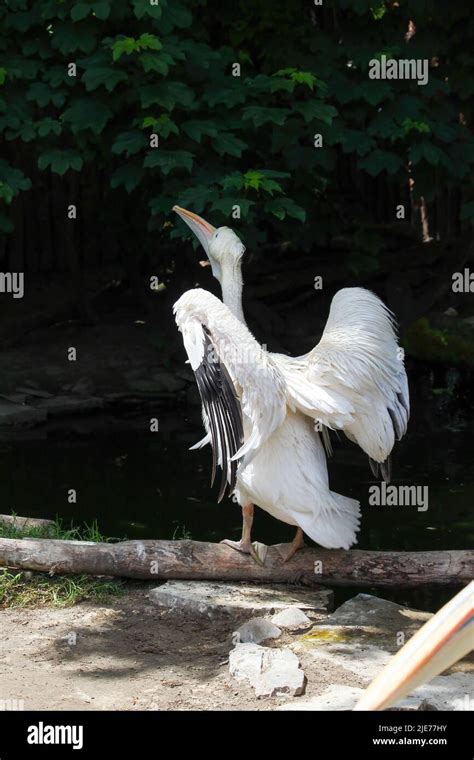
381, 470
223, 410
374, 466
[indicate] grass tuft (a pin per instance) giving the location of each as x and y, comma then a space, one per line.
28, 589
58, 529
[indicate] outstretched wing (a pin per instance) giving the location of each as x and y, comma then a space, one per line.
236, 380
221, 407
354, 379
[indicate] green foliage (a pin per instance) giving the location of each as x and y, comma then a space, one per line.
167, 70
128, 45
60, 161
12, 181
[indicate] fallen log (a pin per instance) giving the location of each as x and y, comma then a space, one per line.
26, 522
196, 560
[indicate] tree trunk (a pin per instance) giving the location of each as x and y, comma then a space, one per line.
195, 560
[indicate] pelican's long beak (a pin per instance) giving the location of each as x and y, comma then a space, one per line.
202, 229
445, 638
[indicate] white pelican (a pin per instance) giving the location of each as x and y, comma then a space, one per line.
443, 640
260, 408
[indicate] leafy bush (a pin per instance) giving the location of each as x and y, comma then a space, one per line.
167, 70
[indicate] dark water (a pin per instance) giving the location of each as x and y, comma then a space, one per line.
139, 484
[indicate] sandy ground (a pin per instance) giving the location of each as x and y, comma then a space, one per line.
128, 654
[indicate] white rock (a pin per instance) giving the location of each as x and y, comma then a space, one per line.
271, 672
451, 692
335, 697
214, 598
291, 618
367, 611
257, 630
358, 640
360, 636
442, 693
245, 661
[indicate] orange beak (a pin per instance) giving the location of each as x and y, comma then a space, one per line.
202, 229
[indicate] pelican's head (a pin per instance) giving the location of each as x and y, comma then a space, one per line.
223, 247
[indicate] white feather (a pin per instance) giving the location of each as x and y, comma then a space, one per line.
355, 374
203, 442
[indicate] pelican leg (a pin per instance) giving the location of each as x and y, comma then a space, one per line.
257, 551
292, 548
